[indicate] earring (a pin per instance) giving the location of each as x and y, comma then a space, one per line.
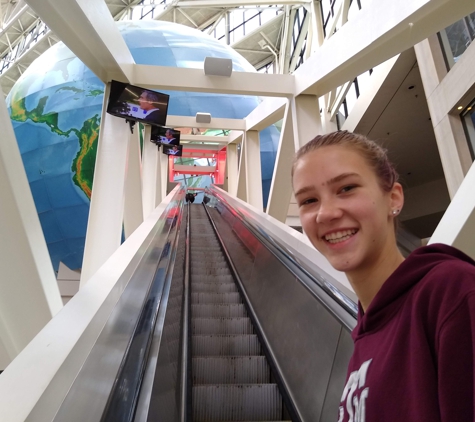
395, 212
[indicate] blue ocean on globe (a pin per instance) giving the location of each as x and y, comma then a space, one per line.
56, 106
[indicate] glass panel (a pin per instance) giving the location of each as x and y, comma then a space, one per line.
457, 37
468, 119
351, 98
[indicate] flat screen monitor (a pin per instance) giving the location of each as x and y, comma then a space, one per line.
175, 150
138, 104
165, 135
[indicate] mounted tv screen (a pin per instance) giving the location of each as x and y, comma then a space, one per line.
165, 135
138, 104
175, 150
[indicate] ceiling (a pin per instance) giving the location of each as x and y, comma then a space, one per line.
398, 116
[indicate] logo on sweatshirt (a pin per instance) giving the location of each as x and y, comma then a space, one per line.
353, 403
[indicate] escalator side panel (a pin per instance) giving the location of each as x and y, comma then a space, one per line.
303, 336
338, 376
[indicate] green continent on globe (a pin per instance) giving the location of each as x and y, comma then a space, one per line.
83, 163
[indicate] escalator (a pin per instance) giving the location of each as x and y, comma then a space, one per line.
231, 378
213, 319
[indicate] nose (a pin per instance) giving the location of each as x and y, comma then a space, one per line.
328, 211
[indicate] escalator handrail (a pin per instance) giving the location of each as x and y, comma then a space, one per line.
184, 386
336, 301
125, 392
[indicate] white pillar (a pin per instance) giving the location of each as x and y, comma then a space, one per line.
327, 125
162, 177
242, 185
252, 157
458, 223
29, 294
149, 173
104, 229
307, 120
281, 186
301, 124
133, 209
442, 92
231, 182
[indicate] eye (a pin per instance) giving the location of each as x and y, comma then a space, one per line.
307, 202
348, 188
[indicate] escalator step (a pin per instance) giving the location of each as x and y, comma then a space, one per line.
229, 310
230, 370
211, 271
226, 345
214, 288
199, 278
215, 298
246, 402
221, 326
199, 263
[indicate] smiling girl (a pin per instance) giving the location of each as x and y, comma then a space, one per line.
414, 343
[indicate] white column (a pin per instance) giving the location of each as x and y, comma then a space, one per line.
281, 186
327, 125
301, 124
252, 156
307, 119
133, 209
242, 185
104, 229
231, 182
458, 223
162, 177
149, 173
443, 92
29, 294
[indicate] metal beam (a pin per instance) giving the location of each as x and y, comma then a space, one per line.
338, 60
223, 3
244, 83
88, 29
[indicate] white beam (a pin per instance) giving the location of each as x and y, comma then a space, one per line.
235, 136
133, 208
29, 293
231, 181
458, 223
88, 29
266, 113
204, 138
223, 3
104, 228
243, 83
150, 188
281, 187
374, 40
252, 157
216, 122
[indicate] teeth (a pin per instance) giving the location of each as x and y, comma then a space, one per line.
339, 236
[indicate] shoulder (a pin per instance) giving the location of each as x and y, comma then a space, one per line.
449, 283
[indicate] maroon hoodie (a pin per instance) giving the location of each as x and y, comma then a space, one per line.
415, 346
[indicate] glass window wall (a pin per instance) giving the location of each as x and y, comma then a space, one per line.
468, 118
456, 38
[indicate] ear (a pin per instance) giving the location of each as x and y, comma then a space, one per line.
396, 199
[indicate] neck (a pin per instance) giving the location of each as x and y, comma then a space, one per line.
368, 281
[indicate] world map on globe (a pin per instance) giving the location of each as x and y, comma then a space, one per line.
56, 106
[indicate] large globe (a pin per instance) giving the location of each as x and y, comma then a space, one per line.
55, 108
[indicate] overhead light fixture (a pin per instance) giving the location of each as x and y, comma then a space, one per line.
203, 118
459, 108
215, 66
